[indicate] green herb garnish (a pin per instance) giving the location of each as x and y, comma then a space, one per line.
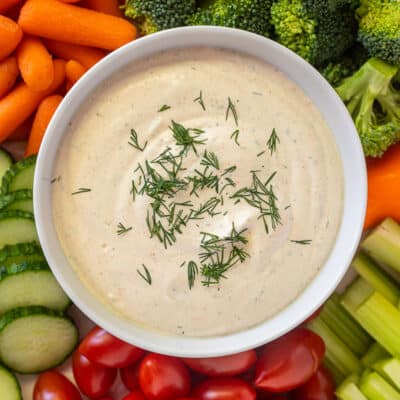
165, 107
184, 138
273, 141
146, 275
235, 136
134, 141
210, 160
231, 109
199, 100
81, 190
121, 229
305, 242
192, 271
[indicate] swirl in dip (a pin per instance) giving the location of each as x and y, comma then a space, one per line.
198, 192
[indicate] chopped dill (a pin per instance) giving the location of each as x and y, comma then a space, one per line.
134, 141
235, 136
81, 190
192, 272
261, 153
273, 141
210, 160
199, 100
184, 138
304, 242
146, 275
231, 109
121, 229
165, 107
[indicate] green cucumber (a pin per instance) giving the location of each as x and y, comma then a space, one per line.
9, 385
19, 200
5, 162
19, 176
34, 339
29, 284
18, 253
17, 227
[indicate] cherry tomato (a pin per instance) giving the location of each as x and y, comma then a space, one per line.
106, 398
130, 376
93, 379
105, 349
223, 366
163, 378
290, 361
224, 389
319, 387
135, 395
52, 385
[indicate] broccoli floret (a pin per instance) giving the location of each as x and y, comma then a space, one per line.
374, 104
379, 29
316, 33
249, 15
155, 15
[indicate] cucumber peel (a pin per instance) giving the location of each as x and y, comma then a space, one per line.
19, 176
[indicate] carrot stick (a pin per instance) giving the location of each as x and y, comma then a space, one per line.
87, 56
6, 5
110, 7
70, 1
23, 131
74, 71
21, 102
10, 36
35, 64
8, 75
69, 23
42, 119
383, 187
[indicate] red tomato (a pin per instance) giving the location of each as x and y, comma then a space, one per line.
93, 379
106, 398
130, 376
224, 389
103, 348
52, 385
223, 366
163, 378
319, 387
290, 361
135, 395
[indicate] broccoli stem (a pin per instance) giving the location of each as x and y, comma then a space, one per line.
376, 388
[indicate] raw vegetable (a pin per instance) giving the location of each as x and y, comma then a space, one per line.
69, 23
349, 390
130, 376
9, 386
390, 370
18, 253
74, 71
19, 176
52, 385
18, 200
5, 162
105, 6
8, 74
375, 387
224, 389
10, 36
42, 119
374, 354
34, 339
135, 395
6, 5
319, 387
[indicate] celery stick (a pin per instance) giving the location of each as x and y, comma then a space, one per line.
356, 294
344, 326
349, 390
383, 244
337, 375
374, 354
377, 277
337, 353
390, 370
376, 388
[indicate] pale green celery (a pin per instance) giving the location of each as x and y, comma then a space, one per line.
337, 353
337, 375
349, 390
374, 387
390, 370
355, 294
374, 354
344, 326
377, 277
383, 244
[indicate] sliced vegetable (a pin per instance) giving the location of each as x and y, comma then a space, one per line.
376, 388
390, 370
349, 390
52, 385
9, 386
18, 200
33, 339
19, 253
19, 176
5, 161
224, 389
374, 354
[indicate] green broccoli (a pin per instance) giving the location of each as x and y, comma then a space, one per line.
249, 15
155, 15
374, 104
318, 31
379, 28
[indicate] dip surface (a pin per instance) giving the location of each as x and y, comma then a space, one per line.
102, 225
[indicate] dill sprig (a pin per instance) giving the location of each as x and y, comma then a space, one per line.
184, 138
146, 275
165, 107
235, 136
304, 241
273, 141
134, 141
207, 207
121, 229
81, 190
199, 100
210, 160
192, 271
260, 153
231, 109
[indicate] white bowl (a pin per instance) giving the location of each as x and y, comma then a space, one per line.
355, 188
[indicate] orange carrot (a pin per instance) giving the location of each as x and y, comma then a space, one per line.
22, 132
21, 102
383, 187
73, 71
6, 5
105, 6
87, 56
42, 119
35, 64
69, 23
70, 1
10, 36
8, 74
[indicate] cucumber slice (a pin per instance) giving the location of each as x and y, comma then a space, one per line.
19, 200
18, 253
33, 339
9, 385
5, 161
17, 227
19, 176
29, 284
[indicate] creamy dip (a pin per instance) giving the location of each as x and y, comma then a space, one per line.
253, 118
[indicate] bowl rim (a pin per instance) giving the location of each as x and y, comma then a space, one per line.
354, 207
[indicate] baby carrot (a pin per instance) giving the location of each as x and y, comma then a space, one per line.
105, 6
10, 36
87, 56
22, 101
69, 23
35, 64
42, 119
73, 71
6, 5
8, 74
70, 1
